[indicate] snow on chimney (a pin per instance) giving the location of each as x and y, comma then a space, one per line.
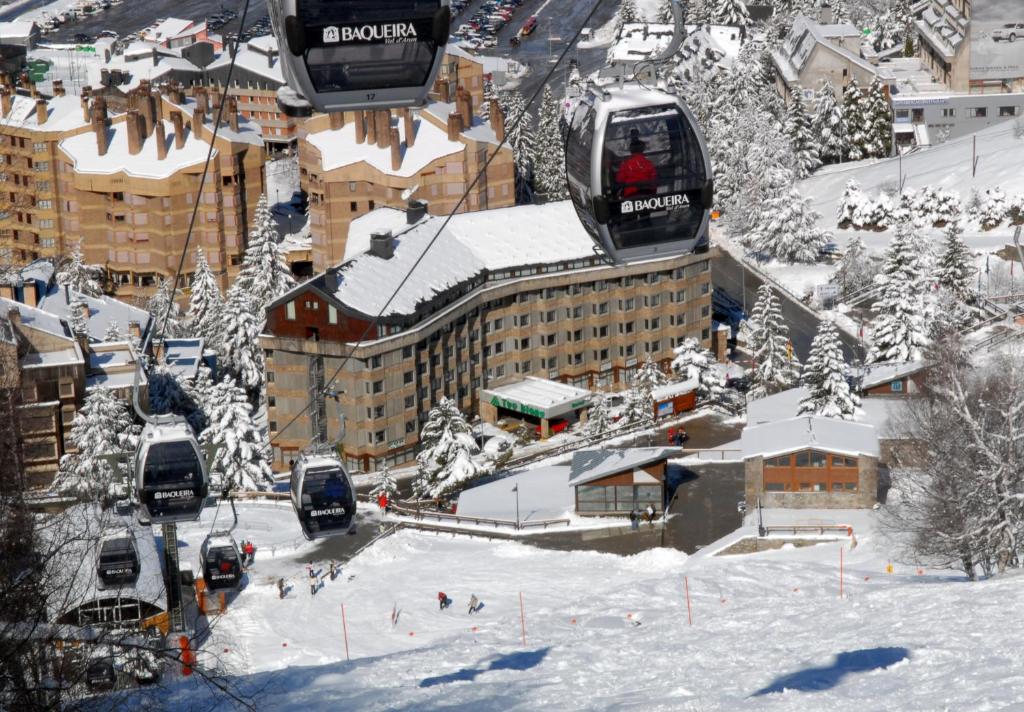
131, 123
454, 125
58, 87
179, 129
360, 127
158, 105
41, 112
396, 150
86, 113
410, 133
160, 136
202, 103
382, 244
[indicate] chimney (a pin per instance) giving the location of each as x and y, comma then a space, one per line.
41, 112
415, 212
58, 87
360, 127
270, 59
396, 150
201, 100
131, 123
410, 133
337, 120
6, 101
179, 129
467, 108
99, 126
105, 77
145, 109
14, 316
32, 294
444, 91
454, 125
85, 309
232, 109
161, 140
383, 128
158, 105
134, 331
23, 81
371, 127
497, 120
198, 117
100, 104
86, 113
156, 57
214, 101
382, 245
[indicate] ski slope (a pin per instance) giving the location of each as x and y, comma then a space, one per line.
762, 623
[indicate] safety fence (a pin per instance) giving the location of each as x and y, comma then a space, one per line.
458, 519
714, 454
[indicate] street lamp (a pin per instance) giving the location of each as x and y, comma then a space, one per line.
516, 490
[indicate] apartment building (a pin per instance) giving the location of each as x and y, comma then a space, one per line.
502, 295
125, 184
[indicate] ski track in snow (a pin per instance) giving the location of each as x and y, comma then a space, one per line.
906, 641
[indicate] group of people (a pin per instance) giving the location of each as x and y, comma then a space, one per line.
315, 580
445, 602
384, 502
648, 515
677, 437
248, 552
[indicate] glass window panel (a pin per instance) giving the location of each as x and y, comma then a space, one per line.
803, 459
624, 497
589, 493
851, 486
773, 486
817, 459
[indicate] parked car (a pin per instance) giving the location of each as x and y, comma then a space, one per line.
1009, 32
830, 251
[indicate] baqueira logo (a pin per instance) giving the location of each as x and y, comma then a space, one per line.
391, 33
174, 494
117, 572
333, 511
661, 202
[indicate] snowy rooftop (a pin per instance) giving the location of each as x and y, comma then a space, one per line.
253, 56
248, 131
111, 354
640, 40
48, 359
880, 413
338, 148
551, 397
379, 220
671, 390
879, 373
544, 493
137, 63
121, 379
103, 311
805, 36
590, 465
63, 113
183, 357
829, 434
40, 270
36, 318
470, 244
169, 28
16, 29
480, 130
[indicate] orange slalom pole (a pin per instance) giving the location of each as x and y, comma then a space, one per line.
344, 628
840, 572
689, 610
522, 617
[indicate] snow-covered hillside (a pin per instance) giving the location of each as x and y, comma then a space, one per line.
611, 633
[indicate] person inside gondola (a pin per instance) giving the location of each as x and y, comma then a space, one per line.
334, 489
636, 176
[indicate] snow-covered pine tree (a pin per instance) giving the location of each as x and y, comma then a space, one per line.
772, 368
205, 303
829, 126
239, 347
113, 332
899, 331
664, 13
803, 145
626, 14
201, 392
239, 461
549, 151
699, 12
954, 271
787, 227
851, 205
691, 361
731, 12
265, 273
77, 320
599, 418
856, 270
161, 307
639, 403
877, 121
385, 484
102, 427
75, 274
518, 134
446, 457
857, 139
947, 207
824, 376
993, 208
489, 93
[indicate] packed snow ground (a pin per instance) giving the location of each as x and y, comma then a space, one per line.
761, 622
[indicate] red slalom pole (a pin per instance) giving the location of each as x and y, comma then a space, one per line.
344, 628
840, 572
522, 617
689, 611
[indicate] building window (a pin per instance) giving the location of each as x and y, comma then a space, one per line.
410, 427
290, 311
977, 112
332, 314
896, 386
947, 113
407, 377
410, 401
406, 352
1007, 111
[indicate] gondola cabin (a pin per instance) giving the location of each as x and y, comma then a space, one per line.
170, 473
117, 562
100, 674
639, 173
323, 496
343, 55
221, 563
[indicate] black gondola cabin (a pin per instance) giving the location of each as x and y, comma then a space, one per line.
322, 496
222, 563
117, 563
171, 478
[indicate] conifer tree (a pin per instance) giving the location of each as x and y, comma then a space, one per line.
851, 205
599, 418
386, 485
77, 275
518, 134
857, 131
731, 12
664, 14
549, 151
691, 361
772, 368
898, 331
639, 403
954, 271
205, 304
113, 332
801, 142
239, 460
856, 270
824, 376
786, 228
829, 126
878, 121
162, 309
626, 14
76, 317
239, 347
699, 12
445, 461
265, 274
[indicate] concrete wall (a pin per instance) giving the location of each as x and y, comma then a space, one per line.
942, 126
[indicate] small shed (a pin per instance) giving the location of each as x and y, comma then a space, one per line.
811, 461
894, 379
618, 481
548, 404
674, 398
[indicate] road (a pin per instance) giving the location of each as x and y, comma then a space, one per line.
734, 278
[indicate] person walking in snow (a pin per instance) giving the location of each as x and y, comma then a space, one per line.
280, 588
473, 603
334, 570
443, 600
650, 511
312, 580
249, 551
634, 519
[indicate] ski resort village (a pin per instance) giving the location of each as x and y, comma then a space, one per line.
512, 355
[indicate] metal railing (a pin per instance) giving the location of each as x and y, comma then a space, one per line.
723, 454
843, 529
420, 514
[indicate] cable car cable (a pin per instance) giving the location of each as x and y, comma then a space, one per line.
433, 240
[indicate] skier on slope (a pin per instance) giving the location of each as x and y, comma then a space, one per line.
474, 603
312, 579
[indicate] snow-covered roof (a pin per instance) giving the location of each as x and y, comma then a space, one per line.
879, 373
63, 113
74, 566
111, 354
480, 130
471, 243
36, 318
136, 62
671, 390
641, 40
829, 434
590, 465
183, 357
170, 28
40, 270
17, 29
538, 396
248, 132
338, 148
48, 359
805, 35
254, 56
120, 379
881, 413
544, 493
379, 220
103, 310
